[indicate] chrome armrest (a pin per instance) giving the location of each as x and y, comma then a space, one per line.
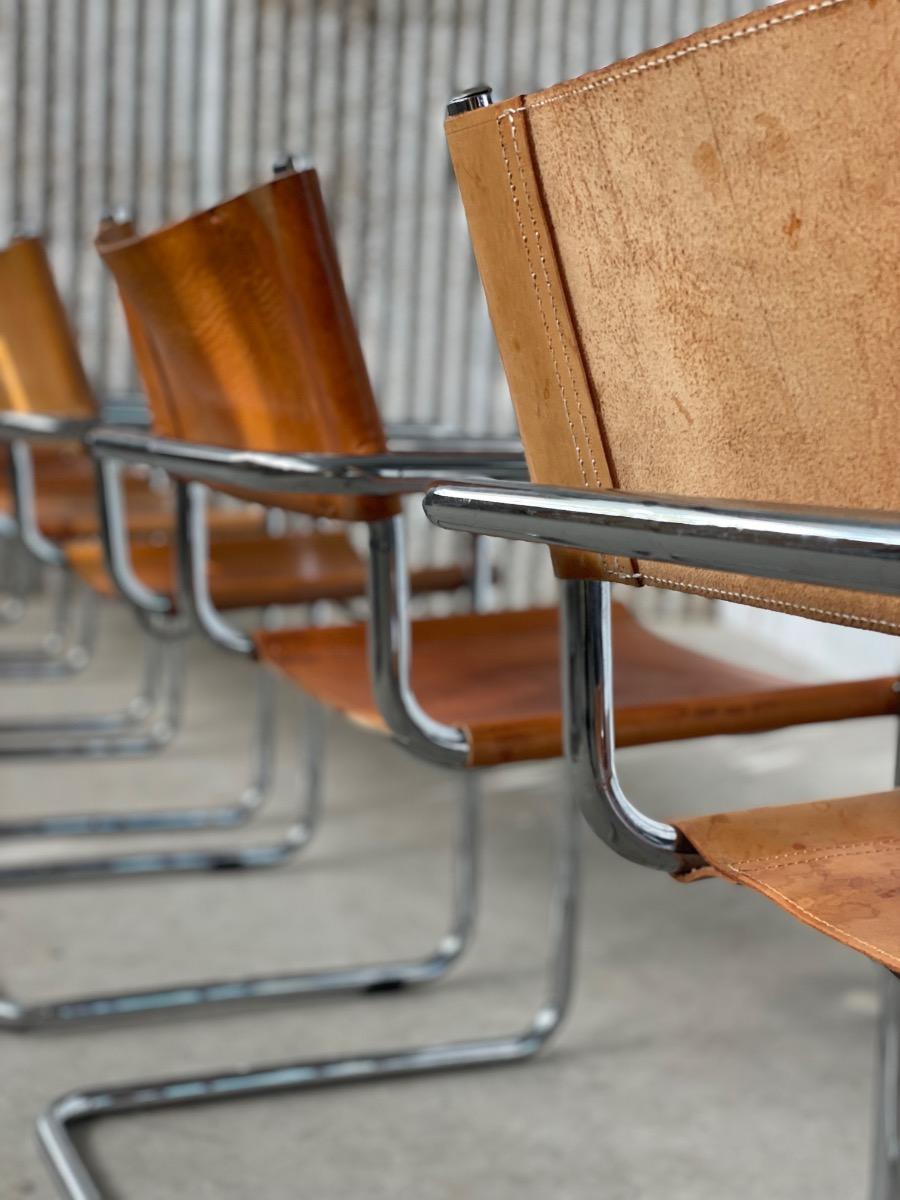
846, 548
382, 474
33, 427
363, 474
839, 548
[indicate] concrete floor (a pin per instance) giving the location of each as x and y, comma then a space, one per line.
716, 1047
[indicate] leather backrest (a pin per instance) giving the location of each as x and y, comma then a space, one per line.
40, 368
692, 263
110, 232
244, 336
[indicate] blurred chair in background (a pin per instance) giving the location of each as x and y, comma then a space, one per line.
56, 519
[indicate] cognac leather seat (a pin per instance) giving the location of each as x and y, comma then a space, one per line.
250, 571
497, 676
832, 864
67, 509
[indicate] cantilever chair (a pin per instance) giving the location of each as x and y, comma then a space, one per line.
40, 370
695, 255
464, 692
58, 521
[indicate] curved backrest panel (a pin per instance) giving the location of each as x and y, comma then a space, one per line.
40, 369
244, 333
692, 262
111, 232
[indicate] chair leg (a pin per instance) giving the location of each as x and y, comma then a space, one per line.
12, 603
885, 1169
228, 816
372, 977
146, 724
69, 645
165, 862
76, 1180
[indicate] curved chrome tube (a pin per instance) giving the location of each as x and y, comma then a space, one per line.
846, 548
383, 474
75, 1177
190, 997
25, 502
389, 638
590, 733
36, 427
116, 545
192, 542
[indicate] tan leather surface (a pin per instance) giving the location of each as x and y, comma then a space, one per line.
833, 864
40, 370
163, 421
67, 507
497, 676
63, 466
692, 261
254, 571
246, 337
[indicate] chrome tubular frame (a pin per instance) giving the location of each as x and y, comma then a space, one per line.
35, 427
823, 546
39, 547
840, 548
58, 1125
187, 998
388, 474
68, 647
146, 724
154, 611
832, 547
884, 1182
192, 547
590, 733
389, 636
12, 574
174, 820
389, 650
884, 1175
385, 474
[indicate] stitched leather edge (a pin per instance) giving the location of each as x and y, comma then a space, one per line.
593, 452
674, 56
871, 949
683, 52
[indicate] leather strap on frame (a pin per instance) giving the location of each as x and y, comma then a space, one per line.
832, 864
526, 296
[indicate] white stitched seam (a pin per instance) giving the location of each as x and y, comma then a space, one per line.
606, 81
786, 605
880, 950
674, 55
823, 854
513, 191
553, 306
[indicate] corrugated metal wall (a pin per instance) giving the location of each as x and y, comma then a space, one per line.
163, 105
